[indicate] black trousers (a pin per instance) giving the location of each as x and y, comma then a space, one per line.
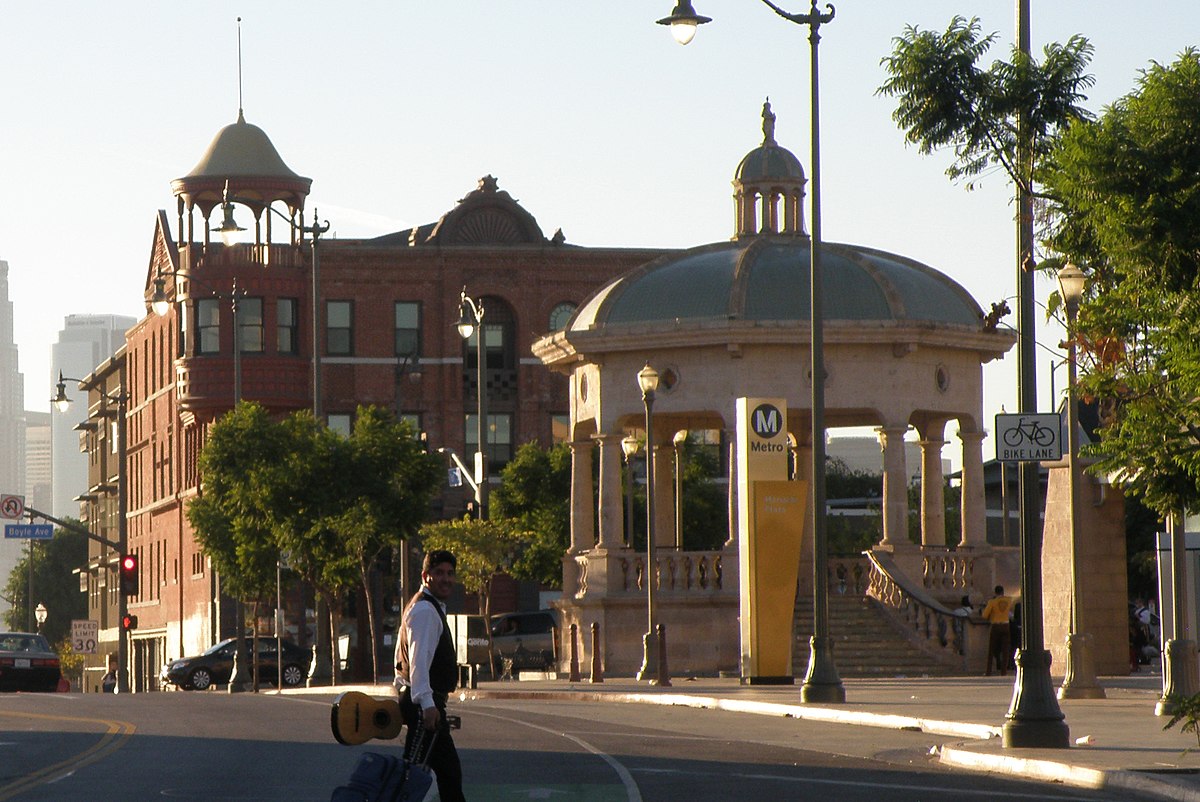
443, 759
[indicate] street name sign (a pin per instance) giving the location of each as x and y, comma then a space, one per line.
12, 507
84, 634
1029, 437
29, 531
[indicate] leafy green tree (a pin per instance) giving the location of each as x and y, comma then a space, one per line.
536, 494
393, 480
53, 584
1126, 197
945, 99
483, 550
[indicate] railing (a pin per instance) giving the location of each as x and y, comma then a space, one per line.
948, 572
676, 573
929, 624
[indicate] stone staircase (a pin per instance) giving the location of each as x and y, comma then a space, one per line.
866, 642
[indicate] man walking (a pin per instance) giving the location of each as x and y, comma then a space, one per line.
427, 670
997, 612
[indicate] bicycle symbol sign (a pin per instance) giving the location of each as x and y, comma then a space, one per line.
1033, 437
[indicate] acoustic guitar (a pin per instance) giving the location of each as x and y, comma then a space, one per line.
356, 718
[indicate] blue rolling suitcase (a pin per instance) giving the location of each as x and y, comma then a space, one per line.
387, 778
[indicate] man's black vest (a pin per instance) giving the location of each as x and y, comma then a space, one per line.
443, 671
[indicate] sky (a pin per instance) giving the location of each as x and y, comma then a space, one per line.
589, 114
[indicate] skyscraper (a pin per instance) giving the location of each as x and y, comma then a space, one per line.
12, 421
83, 343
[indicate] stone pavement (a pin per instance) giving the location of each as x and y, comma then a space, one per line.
1118, 744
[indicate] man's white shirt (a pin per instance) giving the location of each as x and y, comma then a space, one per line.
424, 631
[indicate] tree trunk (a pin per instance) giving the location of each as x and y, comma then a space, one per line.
335, 621
254, 644
369, 592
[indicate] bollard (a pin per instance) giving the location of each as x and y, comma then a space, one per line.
574, 677
664, 677
597, 663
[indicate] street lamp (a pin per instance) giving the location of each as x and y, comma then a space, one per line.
161, 304
629, 447
1079, 681
62, 402
470, 321
647, 379
678, 441
229, 230
821, 682
40, 613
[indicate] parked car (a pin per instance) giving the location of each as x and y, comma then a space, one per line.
215, 666
27, 663
525, 640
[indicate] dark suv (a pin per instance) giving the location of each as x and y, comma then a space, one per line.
526, 640
215, 666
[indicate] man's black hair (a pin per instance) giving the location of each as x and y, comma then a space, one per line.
437, 557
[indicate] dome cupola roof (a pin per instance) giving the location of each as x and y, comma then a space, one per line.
770, 161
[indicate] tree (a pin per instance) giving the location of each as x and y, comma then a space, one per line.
394, 481
54, 585
946, 100
536, 494
1126, 197
482, 549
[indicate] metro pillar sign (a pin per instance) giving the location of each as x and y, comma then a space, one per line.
770, 530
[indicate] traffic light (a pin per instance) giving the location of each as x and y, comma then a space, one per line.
128, 622
129, 575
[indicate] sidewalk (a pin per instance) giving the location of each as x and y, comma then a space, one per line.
1118, 744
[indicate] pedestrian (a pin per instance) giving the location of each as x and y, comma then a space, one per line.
997, 612
964, 608
427, 670
108, 683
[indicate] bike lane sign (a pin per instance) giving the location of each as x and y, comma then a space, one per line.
1029, 437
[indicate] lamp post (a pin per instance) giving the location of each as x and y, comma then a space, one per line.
629, 447
678, 441
40, 612
229, 230
821, 681
648, 382
470, 321
63, 403
1034, 719
161, 304
1080, 679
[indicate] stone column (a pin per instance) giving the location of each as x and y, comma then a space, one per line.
730, 437
583, 505
974, 506
933, 497
612, 510
895, 486
664, 496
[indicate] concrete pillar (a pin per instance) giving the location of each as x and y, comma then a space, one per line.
583, 506
974, 506
664, 496
730, 438
612, 510
933, 497
895, 486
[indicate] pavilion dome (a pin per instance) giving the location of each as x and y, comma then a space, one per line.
765, 280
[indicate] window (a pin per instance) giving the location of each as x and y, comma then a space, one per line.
560, 428
560, 314
408, 328
250, 325
339, 327
413, 420
499, 437
208, 326
340, 423
286, 341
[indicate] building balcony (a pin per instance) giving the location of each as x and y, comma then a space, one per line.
207, 382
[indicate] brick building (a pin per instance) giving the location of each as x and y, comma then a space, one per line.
387, 309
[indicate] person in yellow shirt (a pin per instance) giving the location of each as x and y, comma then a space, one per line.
997, 612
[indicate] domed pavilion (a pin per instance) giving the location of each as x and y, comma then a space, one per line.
904, 349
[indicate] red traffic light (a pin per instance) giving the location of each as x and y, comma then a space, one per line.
129, 621
129, 575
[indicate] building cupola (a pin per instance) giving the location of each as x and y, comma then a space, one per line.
769, 187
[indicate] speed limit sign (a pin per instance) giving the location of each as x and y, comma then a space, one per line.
83, 636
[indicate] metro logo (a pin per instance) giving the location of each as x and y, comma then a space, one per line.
766, 421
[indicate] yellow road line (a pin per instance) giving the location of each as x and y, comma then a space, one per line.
116, 733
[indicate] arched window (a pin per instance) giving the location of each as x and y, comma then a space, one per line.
560, 314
